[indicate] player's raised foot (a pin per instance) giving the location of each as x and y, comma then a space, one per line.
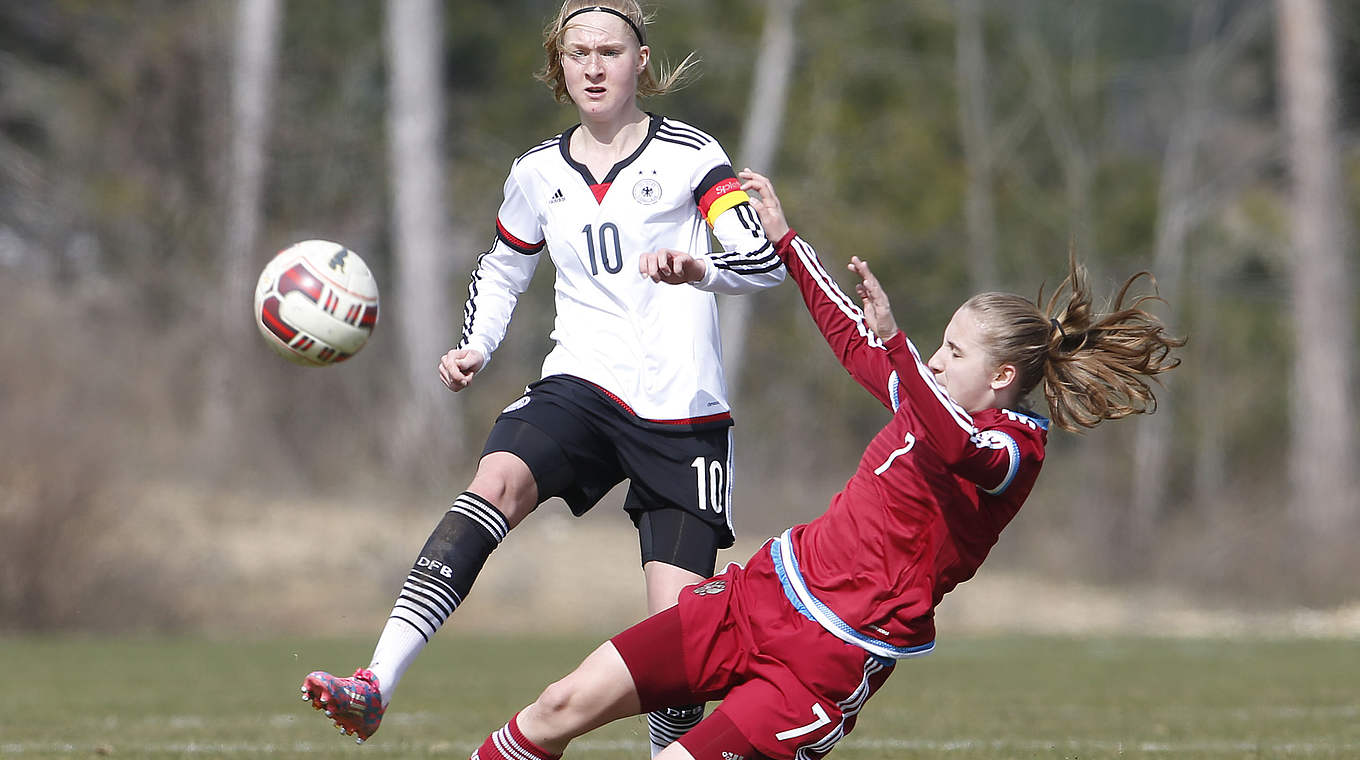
354, 704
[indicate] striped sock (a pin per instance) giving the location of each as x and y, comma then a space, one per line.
509, 744
439, 581
666, 725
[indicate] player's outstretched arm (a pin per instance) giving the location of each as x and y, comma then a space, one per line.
849, 331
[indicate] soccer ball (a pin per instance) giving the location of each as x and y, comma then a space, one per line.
316, 303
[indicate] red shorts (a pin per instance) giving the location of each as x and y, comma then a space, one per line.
784, 682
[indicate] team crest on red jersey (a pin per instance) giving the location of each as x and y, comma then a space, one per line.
710, 588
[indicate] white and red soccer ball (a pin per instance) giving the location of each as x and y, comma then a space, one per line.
316, 303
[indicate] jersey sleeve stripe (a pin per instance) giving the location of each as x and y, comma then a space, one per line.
470, 306
959, 414
519, 245
761, 260
833, 291
853, 312
749, 219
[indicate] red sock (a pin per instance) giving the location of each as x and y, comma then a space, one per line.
509, 744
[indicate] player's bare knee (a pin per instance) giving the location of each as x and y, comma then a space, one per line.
511, 488
556, 703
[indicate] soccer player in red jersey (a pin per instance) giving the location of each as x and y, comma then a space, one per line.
797, 640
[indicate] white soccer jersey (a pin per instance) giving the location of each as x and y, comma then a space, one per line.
654, 346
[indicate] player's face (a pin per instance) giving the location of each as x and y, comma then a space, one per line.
962, 366
601, 61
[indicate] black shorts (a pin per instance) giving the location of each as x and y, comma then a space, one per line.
579, 444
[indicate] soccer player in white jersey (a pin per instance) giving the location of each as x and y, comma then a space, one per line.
796, 641
623, 204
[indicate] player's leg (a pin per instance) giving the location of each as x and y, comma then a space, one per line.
502, 493
544, 444
667, 724
603, 688
679, 499
715, 738
599, 691
521, 465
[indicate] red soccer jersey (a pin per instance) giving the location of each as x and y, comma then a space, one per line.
928, 501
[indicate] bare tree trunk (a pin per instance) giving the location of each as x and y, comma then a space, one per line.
254, 61
975, 125
1323, 450
1210, 457
428, 425
1099, 529
1059, 117
759, 144
1153, 439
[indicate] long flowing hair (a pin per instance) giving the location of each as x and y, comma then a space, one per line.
1094, 365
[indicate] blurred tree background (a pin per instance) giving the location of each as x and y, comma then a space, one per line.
956, 145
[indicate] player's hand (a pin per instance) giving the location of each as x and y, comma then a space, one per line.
457, 367
671, 266
766, 203
877, 313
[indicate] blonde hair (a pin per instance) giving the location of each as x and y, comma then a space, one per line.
1094, 366
649, 82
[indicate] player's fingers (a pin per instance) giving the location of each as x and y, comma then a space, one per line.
754, 177
670, 261
469, 361
656, 265
447, 378
861, 267
761, 184
458, 380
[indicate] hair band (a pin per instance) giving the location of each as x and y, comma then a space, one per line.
605, 9
1058, 326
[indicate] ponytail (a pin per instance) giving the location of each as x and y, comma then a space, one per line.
1093, 366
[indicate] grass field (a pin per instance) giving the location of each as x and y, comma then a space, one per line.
994, 697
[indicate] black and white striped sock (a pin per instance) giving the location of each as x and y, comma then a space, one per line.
670, 723
441, 578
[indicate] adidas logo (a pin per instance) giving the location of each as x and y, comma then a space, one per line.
557, 196
731, 756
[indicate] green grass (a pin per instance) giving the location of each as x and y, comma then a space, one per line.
992, 698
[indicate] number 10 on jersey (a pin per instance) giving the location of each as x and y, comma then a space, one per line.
711, 483
608, 246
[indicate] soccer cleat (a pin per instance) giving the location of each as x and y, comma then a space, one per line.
354, 704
